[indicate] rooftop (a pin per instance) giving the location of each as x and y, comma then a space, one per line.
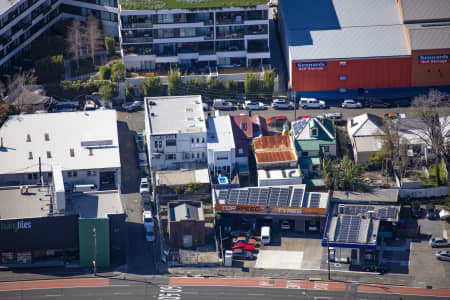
429, 36
220, 133
180, 211
375, 195
349, 231
274, 149
97, 204
264, 174
425, 10
91, 137
245, 128
330, 26
175, 114
365, 125
185, 4
34, 204
6, 4
182, 177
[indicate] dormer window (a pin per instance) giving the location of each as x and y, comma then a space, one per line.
49, 154
91, 152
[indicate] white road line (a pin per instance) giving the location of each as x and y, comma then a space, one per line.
122, 293
256, 294
113, 285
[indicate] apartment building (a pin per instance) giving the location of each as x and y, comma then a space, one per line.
176, 132
197, 38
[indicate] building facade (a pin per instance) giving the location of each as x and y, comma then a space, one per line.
196, 39
176, 132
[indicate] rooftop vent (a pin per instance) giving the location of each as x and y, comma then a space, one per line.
28, 138
47, 137
49, 154
72, 152
30, 155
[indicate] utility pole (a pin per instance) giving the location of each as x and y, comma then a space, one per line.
328, 260
94, 262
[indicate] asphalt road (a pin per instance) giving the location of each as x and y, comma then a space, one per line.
138, 290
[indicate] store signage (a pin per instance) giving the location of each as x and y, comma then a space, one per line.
99, 143
260, 209
15, 226
311, 66
434, 59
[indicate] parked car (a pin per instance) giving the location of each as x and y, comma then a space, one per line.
149, 235
221, 104
243, 246
377, 103
249, 105
242, 254
132, 106
415, 210
381, 268
439, 242
147, 218
243, 239
285, 225
350, 103
331, 116
312, 103
144, 186
277, 121
443, 255
282, 104
402, 102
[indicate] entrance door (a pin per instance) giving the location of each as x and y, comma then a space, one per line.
107, 180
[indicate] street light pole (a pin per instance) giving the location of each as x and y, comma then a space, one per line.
328, 253
95, 252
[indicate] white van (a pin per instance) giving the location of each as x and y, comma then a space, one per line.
265, 235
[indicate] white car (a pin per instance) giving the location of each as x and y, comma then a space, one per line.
144, 187
249, 105
350, 103
438, 242
149, 235
443, 255
282, 104
312, 103
147, 217
132, 106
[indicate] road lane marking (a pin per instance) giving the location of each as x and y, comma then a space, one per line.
250, 294
118, 285
122, 293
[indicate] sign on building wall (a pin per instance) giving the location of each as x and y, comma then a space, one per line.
434, 59
311, 66
260, 209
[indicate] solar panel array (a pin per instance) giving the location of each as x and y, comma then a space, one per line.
357, 209
387, 213
315, 200
275, 196
348, 230
298, 125
381, 213
297, 198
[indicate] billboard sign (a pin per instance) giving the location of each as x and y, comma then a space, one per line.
275, 210
434, 59
311, 66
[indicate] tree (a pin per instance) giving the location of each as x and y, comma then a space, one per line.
50, 69
231, 88
344, 175
19, 90
129, 92
152, 87
105, 72
110, 45
118, 72
175, 85
5, 111
197, 86
251, 86
269, 83
76, 40
94, 36
215, 88
436, 127
108, 91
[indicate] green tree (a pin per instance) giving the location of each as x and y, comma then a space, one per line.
344, 175
108, 91
105, 72
231, 88
196, 86
129, 92
118, 72
152, 87
251, 86
110, 45
175, 85
215, 88
269, 83
5, 111
50, 69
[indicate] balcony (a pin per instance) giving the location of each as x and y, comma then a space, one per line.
4, 40
206, 52
137, 25
257, 49
140, 39
230, 35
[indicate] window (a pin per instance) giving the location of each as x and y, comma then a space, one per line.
198, 140
74, 173
89, 173
35, 176
342, 90
72, 152
171, 142
46, 137
343, 63
314, 131
304, 153
244, 126
49, 154
28, 138
171, 156
198, 155
156, 144
69, 174
326, 149
193, 156
160, 144
203, 140
30, 155
192, 140
91, 152
30, 176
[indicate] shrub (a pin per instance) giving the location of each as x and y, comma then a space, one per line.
105, 72
129, 92
50, 69
118, 72
110, 45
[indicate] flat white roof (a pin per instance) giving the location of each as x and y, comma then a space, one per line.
176, 114
264, 174
25, 134
7, 4
182, 177
220, 134
34, 204
98, 204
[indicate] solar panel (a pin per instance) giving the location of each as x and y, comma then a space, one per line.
223, 195
297, 197
315, 200
243, 197
349, 228
273, 197
253, 195
297, 126
283, 197
233, 197
392, 212
263, 197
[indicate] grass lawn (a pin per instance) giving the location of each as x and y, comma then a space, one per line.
433, 179
187, 4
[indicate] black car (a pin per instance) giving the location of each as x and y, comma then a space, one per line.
376, 103
402, 102
242, 254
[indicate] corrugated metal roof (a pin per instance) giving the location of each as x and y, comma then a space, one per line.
352, 42
425, 10
263, 157
429, 37
273, 149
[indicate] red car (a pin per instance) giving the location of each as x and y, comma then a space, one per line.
243, 246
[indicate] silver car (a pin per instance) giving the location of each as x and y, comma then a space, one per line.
443, 255
438, 242
350, 103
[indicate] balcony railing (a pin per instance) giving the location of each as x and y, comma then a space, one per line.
223, 21
206, 51
140, 39
257, 49
137, 25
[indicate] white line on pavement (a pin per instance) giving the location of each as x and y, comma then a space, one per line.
116, 285
256, 294
122, 293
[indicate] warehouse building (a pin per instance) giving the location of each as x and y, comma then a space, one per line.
341, 49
